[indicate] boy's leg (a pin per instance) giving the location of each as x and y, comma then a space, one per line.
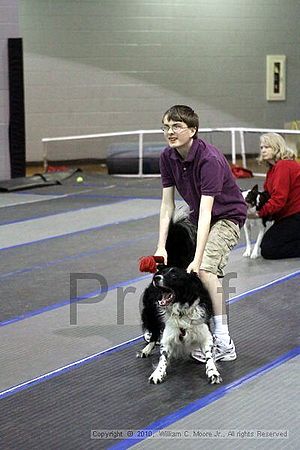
224, 348
222, 238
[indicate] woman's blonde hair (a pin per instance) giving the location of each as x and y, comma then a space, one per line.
278, 145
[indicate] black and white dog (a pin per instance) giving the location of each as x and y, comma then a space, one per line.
255, 201
177, 307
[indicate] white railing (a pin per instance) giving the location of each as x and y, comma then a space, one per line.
233, 131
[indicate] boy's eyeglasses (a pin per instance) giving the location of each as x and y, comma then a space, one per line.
176, 128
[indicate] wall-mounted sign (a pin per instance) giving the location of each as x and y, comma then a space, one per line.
276, 77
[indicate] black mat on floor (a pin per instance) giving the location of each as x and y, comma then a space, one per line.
36, 181
104, 185
112, 392
18, 184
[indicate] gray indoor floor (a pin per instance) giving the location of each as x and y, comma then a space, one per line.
94, 232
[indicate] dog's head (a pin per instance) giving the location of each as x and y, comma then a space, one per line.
178, 286
251, 196
255, 198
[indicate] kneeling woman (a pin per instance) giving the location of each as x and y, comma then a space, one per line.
282, 240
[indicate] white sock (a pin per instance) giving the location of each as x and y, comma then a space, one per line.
221, 328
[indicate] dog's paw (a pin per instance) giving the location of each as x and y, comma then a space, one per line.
158, 375
156, 378
215, 379
212, 373
247, 252
141, 354
146, 350
254, 255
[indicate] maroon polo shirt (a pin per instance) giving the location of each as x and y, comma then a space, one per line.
204, 171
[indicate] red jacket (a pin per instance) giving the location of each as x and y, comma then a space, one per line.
283, 185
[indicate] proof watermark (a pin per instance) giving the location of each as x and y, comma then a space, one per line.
120, 294
237, 434
75, 298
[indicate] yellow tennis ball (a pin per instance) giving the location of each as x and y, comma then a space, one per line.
79, 179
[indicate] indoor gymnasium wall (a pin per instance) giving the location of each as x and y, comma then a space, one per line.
97, 66
8, 28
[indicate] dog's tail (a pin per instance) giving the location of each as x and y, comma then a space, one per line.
181, 241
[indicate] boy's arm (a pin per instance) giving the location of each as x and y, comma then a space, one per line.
166, 213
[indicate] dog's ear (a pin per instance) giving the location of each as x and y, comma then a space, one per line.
255, 188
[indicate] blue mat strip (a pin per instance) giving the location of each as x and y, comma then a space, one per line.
166, 421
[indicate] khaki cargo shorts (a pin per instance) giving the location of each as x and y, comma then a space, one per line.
223, 236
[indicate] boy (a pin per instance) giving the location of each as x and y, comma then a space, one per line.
203, 178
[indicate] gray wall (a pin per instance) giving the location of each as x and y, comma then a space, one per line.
9, 28
96, 66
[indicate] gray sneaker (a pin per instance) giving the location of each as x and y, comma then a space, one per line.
198, 355
223, 352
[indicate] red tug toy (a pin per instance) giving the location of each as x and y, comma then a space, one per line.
149, 263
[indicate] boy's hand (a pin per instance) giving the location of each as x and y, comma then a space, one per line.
194, 267
162, 252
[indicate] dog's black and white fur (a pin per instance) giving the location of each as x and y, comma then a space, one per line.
177, 307
255, 201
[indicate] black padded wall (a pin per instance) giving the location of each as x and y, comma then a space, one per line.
16, 108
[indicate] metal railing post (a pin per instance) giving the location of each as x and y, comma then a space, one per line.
233, 148
45, 157
243, 151
141, 151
